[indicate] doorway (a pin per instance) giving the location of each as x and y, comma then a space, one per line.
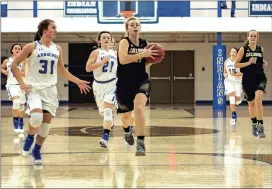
173, 81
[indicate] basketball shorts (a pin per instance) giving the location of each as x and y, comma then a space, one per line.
253, 84
231, 87
45, 99
125, 94
104, 92
15, 90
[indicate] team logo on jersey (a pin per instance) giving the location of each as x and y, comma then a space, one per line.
254, 54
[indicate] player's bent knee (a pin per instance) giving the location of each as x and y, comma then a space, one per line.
108, 114
44, 130
36, 119
138, 108
16, 104
232, 100
258, 101
125, 116
22, 108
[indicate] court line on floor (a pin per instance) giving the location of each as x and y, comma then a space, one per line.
243, 156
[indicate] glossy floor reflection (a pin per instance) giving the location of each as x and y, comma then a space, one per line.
185, 148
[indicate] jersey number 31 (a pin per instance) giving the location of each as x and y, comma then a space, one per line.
45, 65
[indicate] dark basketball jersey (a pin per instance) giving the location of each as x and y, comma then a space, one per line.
132, 72
253, 69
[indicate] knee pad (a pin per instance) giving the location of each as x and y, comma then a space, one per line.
22, 108
44, 130
108, 114
232, 100
36, 119
16, 104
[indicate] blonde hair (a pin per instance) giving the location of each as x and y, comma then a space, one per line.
246, 43
128, 20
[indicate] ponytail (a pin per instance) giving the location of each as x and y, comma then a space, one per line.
246, 43
37, 36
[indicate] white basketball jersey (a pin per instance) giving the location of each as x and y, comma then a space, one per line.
43, 66
230, 67
11, 79
109, 69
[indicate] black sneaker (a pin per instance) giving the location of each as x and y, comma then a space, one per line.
140, 148
254, 129
129, 137
260, 130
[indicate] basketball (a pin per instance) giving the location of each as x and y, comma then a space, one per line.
160, 55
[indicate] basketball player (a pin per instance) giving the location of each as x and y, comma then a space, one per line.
103, 63
14, 92
132, 117
45, 62
250, 60
233, 84
133, 85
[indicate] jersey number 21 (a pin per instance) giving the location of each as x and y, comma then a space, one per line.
106, 65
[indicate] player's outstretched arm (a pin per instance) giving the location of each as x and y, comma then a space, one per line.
26, 51
83, 85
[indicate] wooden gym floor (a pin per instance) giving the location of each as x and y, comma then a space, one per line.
185, 148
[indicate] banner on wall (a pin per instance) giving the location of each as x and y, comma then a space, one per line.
80, 8
219, 57
4, 9
260, 8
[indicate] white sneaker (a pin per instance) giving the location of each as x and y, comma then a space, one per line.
25, 153
16, 130
21, 131
232, 122
37, 162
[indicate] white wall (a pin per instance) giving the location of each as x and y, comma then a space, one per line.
63, 91
203, 58
213, 13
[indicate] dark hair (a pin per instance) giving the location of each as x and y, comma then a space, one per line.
3, 58
14, 46
99, 37
235, 49
43, 25
246, 43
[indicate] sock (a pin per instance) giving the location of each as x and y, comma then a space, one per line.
15, 119
234, 115
28, 142
37, 147
30, 136
21, 119
140, 137
260, 122
127, 130
254, 120
106, 131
